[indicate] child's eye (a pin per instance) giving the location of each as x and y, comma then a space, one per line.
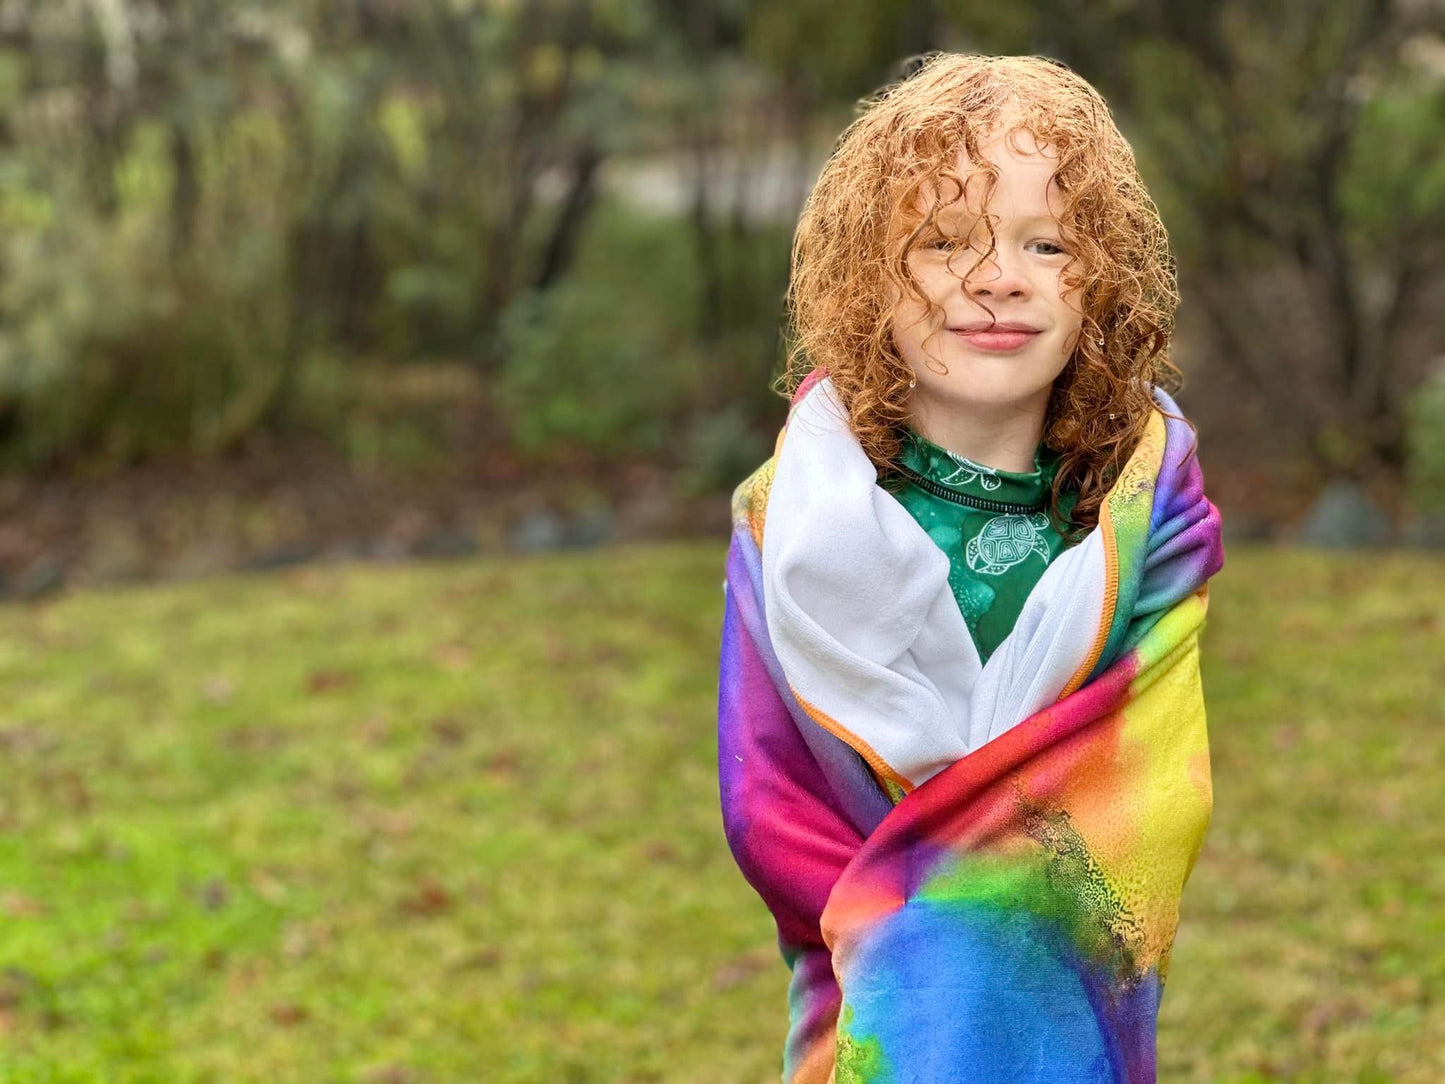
1049, 244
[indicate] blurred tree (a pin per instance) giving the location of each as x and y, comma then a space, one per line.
200, 197
205, 202
1295, 152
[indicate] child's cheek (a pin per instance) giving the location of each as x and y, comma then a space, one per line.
1071, 295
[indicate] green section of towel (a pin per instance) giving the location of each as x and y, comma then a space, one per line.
995, 558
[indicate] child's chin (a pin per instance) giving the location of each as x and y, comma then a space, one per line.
993, 383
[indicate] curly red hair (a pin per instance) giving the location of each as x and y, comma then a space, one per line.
849, 257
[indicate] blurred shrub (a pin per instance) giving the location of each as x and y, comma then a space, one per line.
611, 359
1425, 442
378, 413
123, 339
723, 448
106, 351
590, 365
602, 360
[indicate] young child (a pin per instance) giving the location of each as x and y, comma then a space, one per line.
962, 753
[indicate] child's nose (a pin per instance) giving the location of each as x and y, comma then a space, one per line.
998, 276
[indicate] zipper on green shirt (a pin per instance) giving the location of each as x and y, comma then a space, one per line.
992, 524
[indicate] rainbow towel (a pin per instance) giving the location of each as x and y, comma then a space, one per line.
975, 869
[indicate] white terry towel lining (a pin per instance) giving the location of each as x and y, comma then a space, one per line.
864, 623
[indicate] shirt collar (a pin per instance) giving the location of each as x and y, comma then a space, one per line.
947, 468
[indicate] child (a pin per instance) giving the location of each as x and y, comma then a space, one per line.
962, 748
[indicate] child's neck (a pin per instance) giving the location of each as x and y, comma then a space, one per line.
1003, 436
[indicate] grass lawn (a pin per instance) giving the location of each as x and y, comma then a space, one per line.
459, 822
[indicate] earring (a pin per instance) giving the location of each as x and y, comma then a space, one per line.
1099, 341
913, 381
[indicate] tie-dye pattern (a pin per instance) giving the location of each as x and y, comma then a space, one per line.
1011, 918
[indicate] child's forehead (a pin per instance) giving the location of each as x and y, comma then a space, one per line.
1035, 200
1026, 189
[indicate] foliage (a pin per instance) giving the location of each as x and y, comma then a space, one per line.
579, 367
1306, 200
608, 360
197, 198
106, 351
722, 447
1426, 473
210, 211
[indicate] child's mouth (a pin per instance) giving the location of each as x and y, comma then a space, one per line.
996, 340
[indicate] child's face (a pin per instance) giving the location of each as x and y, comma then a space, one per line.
1020, 284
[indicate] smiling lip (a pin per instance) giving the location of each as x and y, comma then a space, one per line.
1002, 336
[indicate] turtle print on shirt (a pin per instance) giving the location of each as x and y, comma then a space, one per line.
1007, 540
990, 553
969, 471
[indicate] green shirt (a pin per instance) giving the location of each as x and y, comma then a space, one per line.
995, 555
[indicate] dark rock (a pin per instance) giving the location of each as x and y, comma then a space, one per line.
1344, 516
1427, 531
280, 557
347, 550
592, 528
388, 549
446, 544
45, 577
537, 531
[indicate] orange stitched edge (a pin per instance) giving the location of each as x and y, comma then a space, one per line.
1111, 570
861, 747
1111, 600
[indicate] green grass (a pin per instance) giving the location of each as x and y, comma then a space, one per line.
460, 823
